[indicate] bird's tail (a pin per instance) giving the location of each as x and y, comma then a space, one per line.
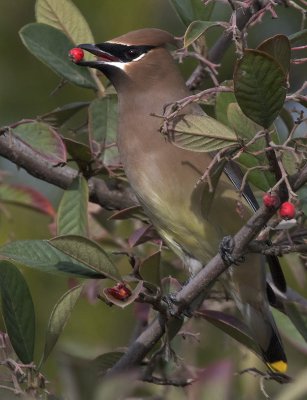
249, 291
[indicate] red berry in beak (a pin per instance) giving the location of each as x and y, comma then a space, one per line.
287, 210
76, 54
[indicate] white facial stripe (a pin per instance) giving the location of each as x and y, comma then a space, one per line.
117, 64
139, 57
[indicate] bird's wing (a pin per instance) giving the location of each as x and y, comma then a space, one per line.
235, 175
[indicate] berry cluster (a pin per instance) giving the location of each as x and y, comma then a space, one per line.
286, 210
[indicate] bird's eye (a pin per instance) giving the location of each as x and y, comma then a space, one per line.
131, 54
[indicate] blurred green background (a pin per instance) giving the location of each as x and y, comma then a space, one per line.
25, 88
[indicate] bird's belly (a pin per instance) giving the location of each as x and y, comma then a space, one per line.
177, 210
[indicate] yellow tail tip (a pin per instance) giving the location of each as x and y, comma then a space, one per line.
278, 366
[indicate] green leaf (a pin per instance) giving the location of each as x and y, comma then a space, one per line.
58, 319
261, 180
303, 198
260, 87
247, 129
18, 311
87, 252
66, 17
51, 46
102, 125
60, 115
244, 127
223, 99
26, 196
43, 139
150, 268
80, 153
200, 133
72, 213
279, 48
41, 255
197, 29
287, 119
191, 10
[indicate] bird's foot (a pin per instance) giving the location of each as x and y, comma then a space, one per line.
172, 306
226, 248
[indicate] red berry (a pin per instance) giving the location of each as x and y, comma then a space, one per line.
270, 200
76, 54
287, 210
119, 292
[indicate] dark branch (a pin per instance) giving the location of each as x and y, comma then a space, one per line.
145, 342
110, 195
276, 250
218, 50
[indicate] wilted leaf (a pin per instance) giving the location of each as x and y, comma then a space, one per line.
197, 29
231, 326
18, 311
43, 139
143, 235
41, 255
127, 301
25, 196
260, 86
51, 46
66, 17
279, 48
191, 10
72, 211
130, 212
60, 115
59, 317
200, 133
87, 252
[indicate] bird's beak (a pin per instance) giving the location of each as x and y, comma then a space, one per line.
103, 57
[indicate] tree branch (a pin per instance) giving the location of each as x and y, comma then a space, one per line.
110, 195
218, 50
151, 335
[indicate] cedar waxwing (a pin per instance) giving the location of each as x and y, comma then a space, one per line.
164, 176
